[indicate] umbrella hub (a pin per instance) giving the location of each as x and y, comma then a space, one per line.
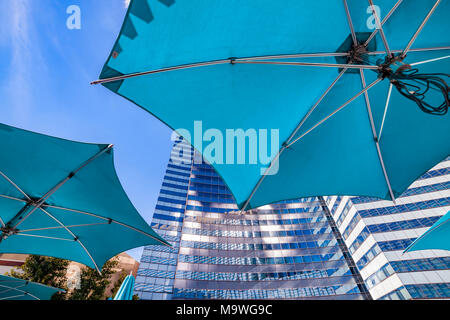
9, 228
392, 65
7, 231
357, 54
417, 86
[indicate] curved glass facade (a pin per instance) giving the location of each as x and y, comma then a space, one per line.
289, 250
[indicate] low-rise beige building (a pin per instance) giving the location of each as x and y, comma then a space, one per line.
127, 265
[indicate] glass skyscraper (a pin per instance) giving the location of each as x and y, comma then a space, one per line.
289, 250
313, 248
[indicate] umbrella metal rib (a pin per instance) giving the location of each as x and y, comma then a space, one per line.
306, 55
365, 89
375, 137
22, 284
61, 227
388, 99
43, 237
410, 50
380, 28
13, 297
366, 95
311, 129
86, 213
17, 296
285, 145
267, 60
25, 293
427, 61
350, 23
75, 238
336, 111
12, 198
14, 185
39, 204
256, 59
106, 219
299, 55
315, 105
310, 64
41, 201
422, 25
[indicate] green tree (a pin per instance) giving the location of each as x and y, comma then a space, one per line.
52, 272
94, 284
45, 270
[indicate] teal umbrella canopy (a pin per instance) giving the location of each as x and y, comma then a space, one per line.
19, 289
435, 238
323, 78
63, 199
126, 289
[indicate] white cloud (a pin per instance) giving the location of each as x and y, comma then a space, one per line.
127, 3
21, 57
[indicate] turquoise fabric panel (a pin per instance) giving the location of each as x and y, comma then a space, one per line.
336, 158
102, 240
39, 162
435, 238
232, 97
404, 22
412, 142
103, 195
9, 208
36, 163
339, 157
19, 289
203, 30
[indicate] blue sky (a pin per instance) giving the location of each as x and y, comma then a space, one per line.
46, 70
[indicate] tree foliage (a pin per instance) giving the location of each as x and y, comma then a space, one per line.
94, 284
53, 272
45, 270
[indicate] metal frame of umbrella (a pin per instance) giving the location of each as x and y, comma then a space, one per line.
10, 228
269, 60
30, 206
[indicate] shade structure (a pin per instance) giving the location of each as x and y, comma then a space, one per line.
312, 71
126, 289
63, 199
435, 238
19, 289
